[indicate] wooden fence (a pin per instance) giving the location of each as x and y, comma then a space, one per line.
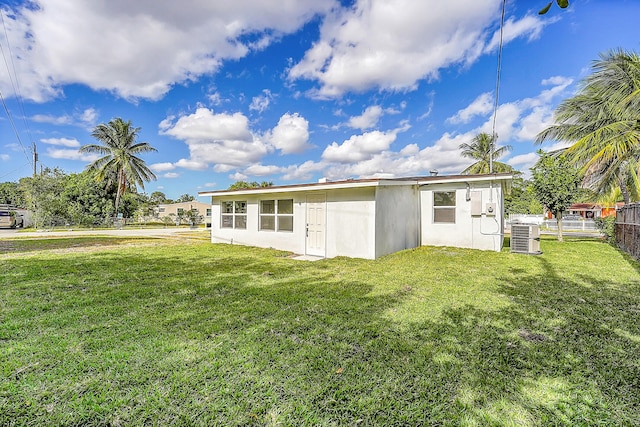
628, 229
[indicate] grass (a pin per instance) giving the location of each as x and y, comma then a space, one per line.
154, 332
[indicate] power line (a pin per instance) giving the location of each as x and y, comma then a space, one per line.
13, 171
13, 125
16, 89
494, 137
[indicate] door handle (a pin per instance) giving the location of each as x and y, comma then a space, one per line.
307, 231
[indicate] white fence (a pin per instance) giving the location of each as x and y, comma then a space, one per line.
552, 224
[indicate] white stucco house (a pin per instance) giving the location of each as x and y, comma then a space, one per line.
364, 218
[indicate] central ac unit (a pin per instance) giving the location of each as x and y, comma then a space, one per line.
525, 239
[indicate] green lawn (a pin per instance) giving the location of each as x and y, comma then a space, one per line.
155, 332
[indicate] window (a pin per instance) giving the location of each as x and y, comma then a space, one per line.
444, 206
209, 212
180, 211
276, 215
233, 214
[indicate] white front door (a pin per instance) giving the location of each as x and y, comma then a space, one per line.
316, 224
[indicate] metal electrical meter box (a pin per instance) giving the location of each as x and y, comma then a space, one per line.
476, 203
490, 209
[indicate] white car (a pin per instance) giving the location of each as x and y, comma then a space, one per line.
11, 219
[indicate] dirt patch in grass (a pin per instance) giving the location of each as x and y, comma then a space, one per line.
531, 336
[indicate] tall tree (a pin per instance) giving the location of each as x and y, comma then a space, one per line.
43, 196
158, 197
602, 122
185, 198
482, 149
119, 147
10, 194
522, 198
555, 183
241, 185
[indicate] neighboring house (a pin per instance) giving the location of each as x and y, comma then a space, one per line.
593, 210
589, 210
175, 210
364, 218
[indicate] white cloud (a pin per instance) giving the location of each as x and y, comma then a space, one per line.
86, 119
533, 123
530, 26
45, 118
523, 161
359, 147
261, 102
367, 120
481, 106
221, 139
557, 81
303, 172
162, 167
262, 170
238, 176
70, 154
291, 134
4, 157
103, 43
205, 125
361, 47
171, 175
194, 165
63, 142
362, 147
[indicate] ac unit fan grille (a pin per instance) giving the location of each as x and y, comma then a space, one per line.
525, 238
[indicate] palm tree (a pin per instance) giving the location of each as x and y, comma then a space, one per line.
120, 161
483, 150
602, 121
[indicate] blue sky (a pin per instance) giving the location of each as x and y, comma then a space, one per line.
291, 91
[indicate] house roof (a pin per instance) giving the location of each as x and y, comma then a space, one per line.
594, 206
368, 182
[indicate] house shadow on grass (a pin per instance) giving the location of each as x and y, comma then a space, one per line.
247, 337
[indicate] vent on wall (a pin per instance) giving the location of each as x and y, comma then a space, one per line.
525, 239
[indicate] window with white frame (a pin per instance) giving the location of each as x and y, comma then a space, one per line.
233, 214
276, 215
444, 207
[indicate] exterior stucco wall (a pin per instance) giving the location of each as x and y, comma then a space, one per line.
481, 231
351, 223
283, 240
397, 218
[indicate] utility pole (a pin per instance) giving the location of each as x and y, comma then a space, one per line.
35, 159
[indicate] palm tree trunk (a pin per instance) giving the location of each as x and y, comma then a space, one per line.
119, 190
624, 190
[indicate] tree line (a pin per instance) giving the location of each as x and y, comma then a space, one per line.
57, 198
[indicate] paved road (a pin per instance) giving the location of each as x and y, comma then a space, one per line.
125, 232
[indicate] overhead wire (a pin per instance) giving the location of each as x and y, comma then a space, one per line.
16, 87
494, 136
18, 96
13, 171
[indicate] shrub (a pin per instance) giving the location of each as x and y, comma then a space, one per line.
608, 226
